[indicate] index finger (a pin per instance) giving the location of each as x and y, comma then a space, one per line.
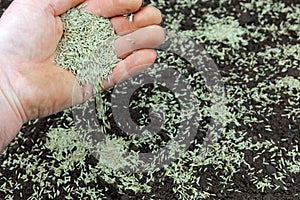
111, 8
61, 6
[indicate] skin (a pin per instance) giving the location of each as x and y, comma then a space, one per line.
33, 86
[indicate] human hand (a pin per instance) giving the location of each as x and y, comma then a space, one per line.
32, 86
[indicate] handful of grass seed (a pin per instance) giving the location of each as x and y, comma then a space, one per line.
86, 47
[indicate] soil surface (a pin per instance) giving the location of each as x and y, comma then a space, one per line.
255, 46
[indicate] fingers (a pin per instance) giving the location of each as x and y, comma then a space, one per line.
68, 91
144, 38
146, 16
61, 6
110, 8
104, 8
134, 64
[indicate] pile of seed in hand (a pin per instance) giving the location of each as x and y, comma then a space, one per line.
86, 47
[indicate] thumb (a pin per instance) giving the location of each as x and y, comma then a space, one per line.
55, 90
68, 89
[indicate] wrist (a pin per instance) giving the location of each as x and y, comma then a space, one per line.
11, 118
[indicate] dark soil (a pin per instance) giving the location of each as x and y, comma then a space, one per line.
281, 126
3, 5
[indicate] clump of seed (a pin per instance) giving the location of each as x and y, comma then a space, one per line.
86, 47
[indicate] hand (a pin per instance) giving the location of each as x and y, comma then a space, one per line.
32, 86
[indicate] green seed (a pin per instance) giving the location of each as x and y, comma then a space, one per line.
86, 47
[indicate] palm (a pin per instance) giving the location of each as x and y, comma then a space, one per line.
38, 32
